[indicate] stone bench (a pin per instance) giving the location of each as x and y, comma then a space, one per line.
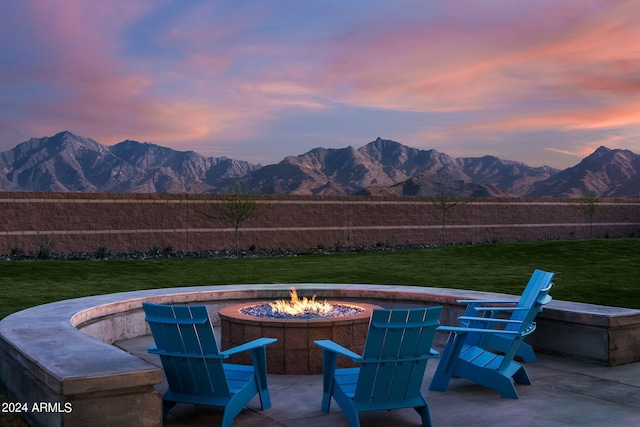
62, 353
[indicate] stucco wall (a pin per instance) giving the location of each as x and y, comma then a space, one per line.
130, 222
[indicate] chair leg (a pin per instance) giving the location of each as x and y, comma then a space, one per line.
231, 411
526, 352
505, 387
447, 364
439, 382
259, 357
326, 402
346, 405
521, 376
425, 414
352, 415
329, 361
166, 407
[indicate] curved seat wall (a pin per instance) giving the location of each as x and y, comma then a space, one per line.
62, 353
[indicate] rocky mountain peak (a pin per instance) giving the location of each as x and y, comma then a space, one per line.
607, 172
68, 162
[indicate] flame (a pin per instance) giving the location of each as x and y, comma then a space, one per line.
297, 306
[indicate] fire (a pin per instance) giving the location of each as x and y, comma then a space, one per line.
299, 306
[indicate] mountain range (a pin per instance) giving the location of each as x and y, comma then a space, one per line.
68, 162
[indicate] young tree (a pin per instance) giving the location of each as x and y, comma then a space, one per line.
588, 204
235, 207
445, 201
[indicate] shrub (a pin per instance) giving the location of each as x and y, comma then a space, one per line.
337, 245
279, 247
44, 247
17, 251
101, 252
154, 250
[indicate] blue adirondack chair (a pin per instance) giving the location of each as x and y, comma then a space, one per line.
391, 368
465, 354
194, 365
492, 308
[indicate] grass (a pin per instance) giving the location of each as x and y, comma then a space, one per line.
593, 271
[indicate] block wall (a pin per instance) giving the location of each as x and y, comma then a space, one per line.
81, 222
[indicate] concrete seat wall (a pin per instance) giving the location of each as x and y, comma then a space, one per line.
62, 353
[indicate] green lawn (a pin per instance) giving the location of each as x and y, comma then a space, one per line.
594, 271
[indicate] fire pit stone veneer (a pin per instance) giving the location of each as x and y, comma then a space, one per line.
294, 353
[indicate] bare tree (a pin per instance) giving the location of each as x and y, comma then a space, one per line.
445, 201
588, 204
235, 207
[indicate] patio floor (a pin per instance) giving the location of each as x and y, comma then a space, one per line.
563, 393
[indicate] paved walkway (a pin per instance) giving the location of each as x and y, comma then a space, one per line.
563, 393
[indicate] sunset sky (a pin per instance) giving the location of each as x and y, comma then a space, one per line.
541, 82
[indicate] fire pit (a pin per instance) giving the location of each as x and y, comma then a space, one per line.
346, 323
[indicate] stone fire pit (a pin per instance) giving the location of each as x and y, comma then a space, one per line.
294, 352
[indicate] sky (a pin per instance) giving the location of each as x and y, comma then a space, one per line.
542, 82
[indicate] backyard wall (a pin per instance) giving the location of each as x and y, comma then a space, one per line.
81, 222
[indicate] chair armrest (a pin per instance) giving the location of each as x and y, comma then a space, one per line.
500, 308
328, 345
478, 330
488, 319
257, 343
154, 350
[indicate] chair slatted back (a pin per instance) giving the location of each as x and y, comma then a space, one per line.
539, 280
542, 297
184, 337
396, 352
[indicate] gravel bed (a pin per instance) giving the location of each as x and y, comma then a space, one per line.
266, 311
258, 253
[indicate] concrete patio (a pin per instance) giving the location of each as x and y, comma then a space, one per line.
91, 353
563, 393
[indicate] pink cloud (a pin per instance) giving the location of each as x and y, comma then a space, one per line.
581, 152
448, 68
224, 73
99, 94
82, 79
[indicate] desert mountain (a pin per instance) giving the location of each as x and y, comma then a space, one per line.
429, 185
384, 163
513, 177
67, 162
606, 172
